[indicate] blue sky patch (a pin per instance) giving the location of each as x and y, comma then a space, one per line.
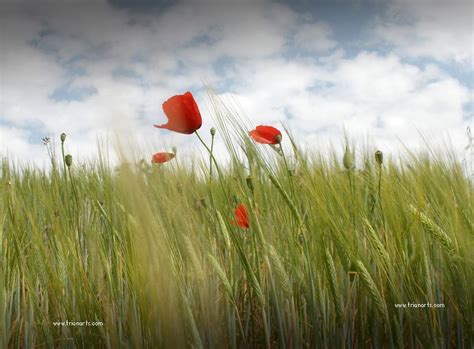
70, 93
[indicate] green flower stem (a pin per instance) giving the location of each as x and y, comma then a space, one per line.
352, 190
288, 170
210, 158
209, 151
64, 160
379, 189
284, 159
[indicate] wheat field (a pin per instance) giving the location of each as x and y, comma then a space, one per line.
355, 252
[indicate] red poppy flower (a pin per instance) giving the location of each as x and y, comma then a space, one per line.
241, 216
182, 113
160, 158
266, 135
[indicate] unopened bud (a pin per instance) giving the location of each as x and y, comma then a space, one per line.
278, 139
379, 157
174, 149
63, 137
68, 160
348, 160
301, 239
250, 183
213, 131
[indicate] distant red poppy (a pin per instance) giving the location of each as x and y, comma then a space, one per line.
182, 113
241, 216
266, 135
160, 158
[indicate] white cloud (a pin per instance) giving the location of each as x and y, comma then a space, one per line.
172, 51
370, 95
437, 29
14, 143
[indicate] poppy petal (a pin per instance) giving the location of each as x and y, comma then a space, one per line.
265, 135
257, 137
182, 113
160, 158
241, 216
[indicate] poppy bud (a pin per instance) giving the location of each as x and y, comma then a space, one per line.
235, 198
278, 139
301, 239
250, 183
379, 157
174, 149
213, 131
68, 160
348, 160
63, 137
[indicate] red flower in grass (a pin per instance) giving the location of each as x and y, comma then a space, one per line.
241, 216
182, 113
160, 158
266, 135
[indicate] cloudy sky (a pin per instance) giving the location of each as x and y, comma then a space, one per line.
388, 71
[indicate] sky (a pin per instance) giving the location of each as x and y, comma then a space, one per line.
390, 73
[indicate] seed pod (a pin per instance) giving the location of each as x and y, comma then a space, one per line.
301, 238
235, 199
213, 131
68, 160
174, 149
63, 137
379, 157
348, 160
250, 183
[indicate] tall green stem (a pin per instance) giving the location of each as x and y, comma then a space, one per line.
64, 160
288, 171
380, 181
210, 158
380, 194
352, 190
209, 151
284, 160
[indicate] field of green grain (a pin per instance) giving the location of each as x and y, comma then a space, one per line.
145, 256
